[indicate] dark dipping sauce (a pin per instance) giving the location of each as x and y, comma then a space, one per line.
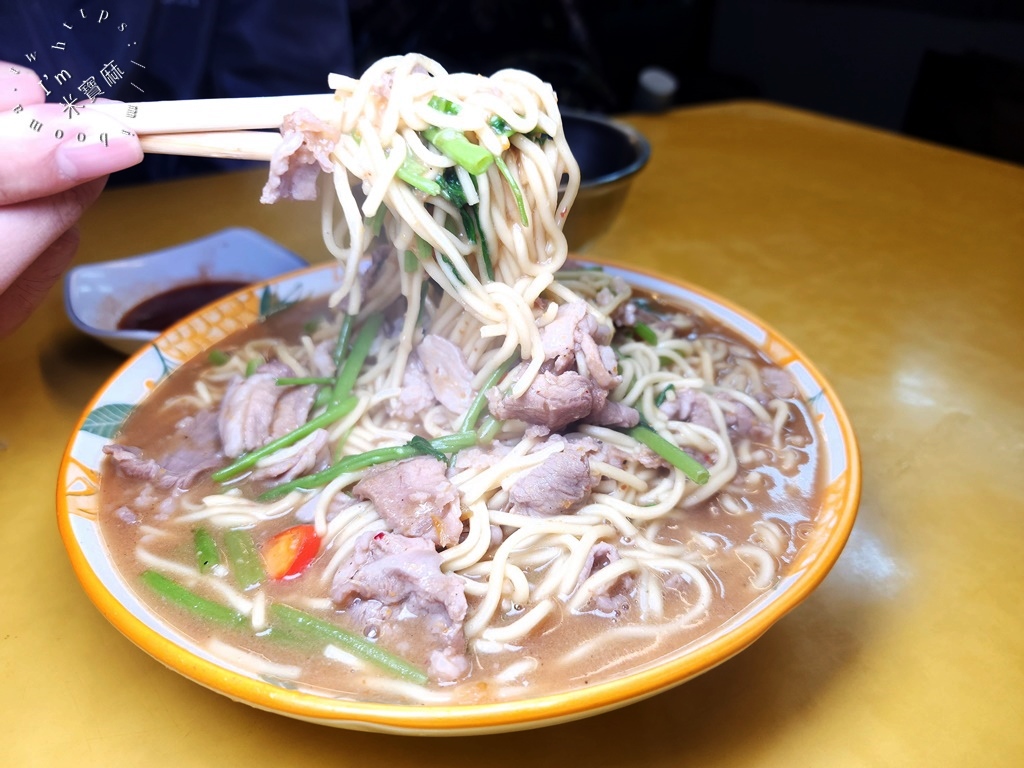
163, 310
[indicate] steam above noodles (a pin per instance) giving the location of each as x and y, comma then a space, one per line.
483, 460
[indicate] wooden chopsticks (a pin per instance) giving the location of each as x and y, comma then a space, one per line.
216, 127
239, 145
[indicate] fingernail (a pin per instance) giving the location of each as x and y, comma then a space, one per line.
102, 152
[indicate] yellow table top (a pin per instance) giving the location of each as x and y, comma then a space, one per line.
897, 266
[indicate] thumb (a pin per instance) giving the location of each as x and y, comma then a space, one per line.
45, 149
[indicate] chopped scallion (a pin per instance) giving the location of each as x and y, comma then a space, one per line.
344, 333
376, 222
499, 126
174, 592
672, 453
454, 145
480, 400
244, 462
207, 553
412, 172
246, 564
353, 364
218, 357
444, 105
516, 191
660, 399
444, 444
423, 447
645, 333
288, 619
301, 381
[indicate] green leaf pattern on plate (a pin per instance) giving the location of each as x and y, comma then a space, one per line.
271, 303
106, 420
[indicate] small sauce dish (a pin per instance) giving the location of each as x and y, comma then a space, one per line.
126, 303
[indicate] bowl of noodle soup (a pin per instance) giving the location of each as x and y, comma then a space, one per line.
457, 482
118, 595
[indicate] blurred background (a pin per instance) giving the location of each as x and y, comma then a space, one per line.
949, 71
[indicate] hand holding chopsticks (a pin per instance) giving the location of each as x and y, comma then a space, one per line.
216, 127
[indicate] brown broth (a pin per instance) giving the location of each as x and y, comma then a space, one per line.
163, 310
789, 499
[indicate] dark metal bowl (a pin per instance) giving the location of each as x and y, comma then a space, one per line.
610, 155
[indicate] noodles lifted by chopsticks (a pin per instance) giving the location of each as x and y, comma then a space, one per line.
469, 178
